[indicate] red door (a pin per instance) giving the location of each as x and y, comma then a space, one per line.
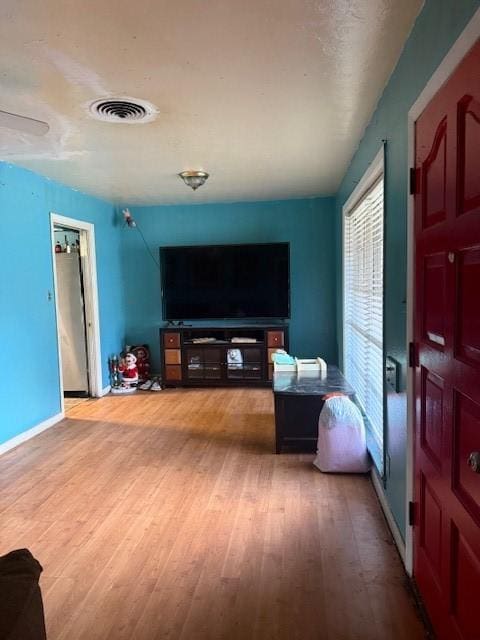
447, 335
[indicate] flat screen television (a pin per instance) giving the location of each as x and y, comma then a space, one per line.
226, 282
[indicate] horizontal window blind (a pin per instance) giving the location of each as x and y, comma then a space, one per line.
363, 305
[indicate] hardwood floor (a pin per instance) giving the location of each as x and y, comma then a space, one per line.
167, 516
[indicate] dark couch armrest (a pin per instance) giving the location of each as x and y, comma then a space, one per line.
21, 607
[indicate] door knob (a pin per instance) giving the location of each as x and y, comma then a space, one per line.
474, 461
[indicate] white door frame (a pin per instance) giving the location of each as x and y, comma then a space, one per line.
89, 268
458, 51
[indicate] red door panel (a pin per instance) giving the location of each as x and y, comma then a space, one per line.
465, 587
468, 143
466, 430
447, 333
431, 530
467, 343
431, 417
434, 299
434, 172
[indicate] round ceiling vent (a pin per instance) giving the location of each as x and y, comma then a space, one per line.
127, 110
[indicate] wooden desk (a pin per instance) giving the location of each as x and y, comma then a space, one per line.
298, 402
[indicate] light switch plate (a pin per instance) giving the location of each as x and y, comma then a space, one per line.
392, 374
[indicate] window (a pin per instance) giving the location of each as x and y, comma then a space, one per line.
363, 302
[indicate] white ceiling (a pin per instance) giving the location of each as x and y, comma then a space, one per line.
270, 97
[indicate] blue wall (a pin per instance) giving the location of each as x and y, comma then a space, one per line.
30, 380
307, 224
436, 29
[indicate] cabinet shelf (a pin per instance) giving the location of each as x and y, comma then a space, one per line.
205, 344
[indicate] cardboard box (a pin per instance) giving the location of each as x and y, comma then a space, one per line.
290, 368
311, 364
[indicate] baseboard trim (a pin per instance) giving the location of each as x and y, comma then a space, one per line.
105, 390
397, 536
30, 433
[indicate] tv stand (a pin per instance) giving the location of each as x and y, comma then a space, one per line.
239, 355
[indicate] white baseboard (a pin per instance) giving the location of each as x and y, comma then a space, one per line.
105, 390
397, 536
30, 433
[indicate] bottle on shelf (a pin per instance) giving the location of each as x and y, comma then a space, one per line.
68, 248
58, 247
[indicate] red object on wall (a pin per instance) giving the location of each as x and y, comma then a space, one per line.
447, 335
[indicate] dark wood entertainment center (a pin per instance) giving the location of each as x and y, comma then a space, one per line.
187, 358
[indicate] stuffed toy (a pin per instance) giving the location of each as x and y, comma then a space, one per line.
128, 369
142, 353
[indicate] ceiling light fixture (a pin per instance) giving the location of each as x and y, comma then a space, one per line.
194, 179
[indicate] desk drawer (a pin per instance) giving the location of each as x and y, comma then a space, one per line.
275, 339
173, 356
173, 373
171, 340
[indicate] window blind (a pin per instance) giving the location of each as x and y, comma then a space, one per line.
363, 305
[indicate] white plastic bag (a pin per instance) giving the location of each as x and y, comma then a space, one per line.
341, 445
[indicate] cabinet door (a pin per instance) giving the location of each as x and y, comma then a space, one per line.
204, 363
173, 356
173, 373
244, 362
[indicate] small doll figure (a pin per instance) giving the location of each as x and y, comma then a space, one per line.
128, 369
142, 354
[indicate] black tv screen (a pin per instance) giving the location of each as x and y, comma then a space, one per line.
225, 281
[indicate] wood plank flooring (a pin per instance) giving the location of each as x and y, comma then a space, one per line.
167, 516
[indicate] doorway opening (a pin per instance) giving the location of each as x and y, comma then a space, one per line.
76, 305
72, 323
